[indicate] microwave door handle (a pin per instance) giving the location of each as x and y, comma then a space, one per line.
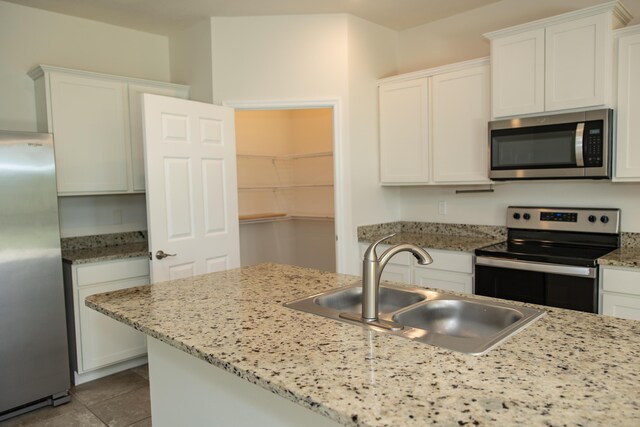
578, 145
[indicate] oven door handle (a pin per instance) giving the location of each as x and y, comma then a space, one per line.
541, 267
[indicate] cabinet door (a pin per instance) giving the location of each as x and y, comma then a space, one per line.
91, 139
623, 306
404, 136
627, 165
397, 273
135, 119
438, 279
575, 63
517, 74
460, 113
105, 341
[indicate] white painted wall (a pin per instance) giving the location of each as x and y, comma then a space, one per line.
421, 203
316, 57
459, 37
29, 37
89, 215
190, 56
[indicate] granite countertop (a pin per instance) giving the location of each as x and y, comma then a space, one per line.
622, 257
105, 253
568, 368
104, 247
453, 237
448, 242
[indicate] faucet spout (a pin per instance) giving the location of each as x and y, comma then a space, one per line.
372, 268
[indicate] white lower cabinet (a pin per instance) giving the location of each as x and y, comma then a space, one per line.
620, 292
450, 270
99, 345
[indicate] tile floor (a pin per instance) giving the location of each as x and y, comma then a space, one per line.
119, 400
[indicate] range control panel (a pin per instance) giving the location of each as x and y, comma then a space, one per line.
586, 220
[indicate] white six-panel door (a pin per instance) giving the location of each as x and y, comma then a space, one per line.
192, 203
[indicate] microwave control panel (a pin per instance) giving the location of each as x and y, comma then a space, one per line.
593, 143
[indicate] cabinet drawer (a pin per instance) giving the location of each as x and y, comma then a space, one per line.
457, 282
460, 262
622, 306
111, 271
623, 281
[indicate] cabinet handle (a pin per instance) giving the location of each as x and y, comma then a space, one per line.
161, 254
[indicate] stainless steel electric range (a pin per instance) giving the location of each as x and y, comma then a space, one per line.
550, 256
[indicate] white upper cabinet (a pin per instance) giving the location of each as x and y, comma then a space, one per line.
96, 124
560, 63
627, 156
89, 120
517, 72
433, 126
578, 63
404, 131
460, 113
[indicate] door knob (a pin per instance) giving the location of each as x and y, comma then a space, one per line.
161, 255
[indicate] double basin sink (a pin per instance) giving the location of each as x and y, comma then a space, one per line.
448, 321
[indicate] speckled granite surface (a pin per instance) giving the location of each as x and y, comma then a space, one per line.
628, 255
622, 257
104, 247
455, 237
568, 368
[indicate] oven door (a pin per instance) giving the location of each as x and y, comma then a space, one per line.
554, 285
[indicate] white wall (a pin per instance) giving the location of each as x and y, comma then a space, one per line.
316, 57
459, 37
29, 37
421, 203
190, 55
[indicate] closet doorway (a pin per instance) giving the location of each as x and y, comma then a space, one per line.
285, 161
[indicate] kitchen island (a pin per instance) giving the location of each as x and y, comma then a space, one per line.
567, 368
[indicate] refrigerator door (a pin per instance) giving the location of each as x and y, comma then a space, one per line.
33, 339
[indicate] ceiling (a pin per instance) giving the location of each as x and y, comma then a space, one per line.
166, 16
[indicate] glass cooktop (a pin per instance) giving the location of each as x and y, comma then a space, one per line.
546, 252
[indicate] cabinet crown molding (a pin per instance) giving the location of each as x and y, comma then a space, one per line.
436, 70
634, 29
41, 69
618, 10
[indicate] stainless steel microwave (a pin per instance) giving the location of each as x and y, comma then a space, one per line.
560, 146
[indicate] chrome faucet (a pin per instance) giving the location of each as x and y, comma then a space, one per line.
372, 268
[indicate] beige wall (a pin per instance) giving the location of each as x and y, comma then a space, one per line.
190, 54
459, 37
29, 37
317, 57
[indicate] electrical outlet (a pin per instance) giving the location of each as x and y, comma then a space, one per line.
442, 208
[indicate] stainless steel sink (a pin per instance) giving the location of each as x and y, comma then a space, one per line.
459, 318
467, 325
350, 299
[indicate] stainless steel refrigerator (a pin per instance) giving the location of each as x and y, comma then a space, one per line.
34, 360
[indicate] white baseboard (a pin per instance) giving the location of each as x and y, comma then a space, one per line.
108, 370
